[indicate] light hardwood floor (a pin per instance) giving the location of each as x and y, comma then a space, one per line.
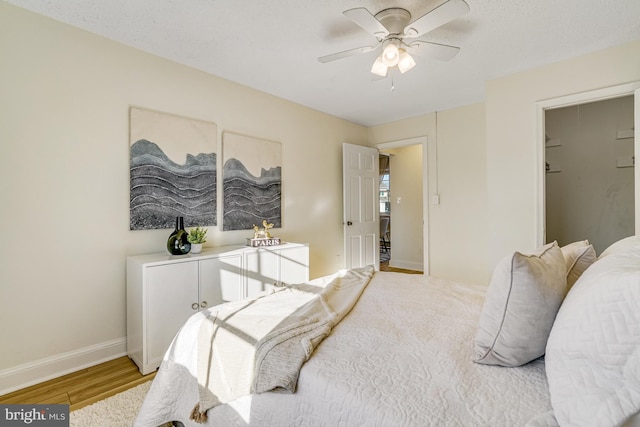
83, 387
398, 270
384, 266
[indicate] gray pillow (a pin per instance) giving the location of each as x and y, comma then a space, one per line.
578, 256
522, 301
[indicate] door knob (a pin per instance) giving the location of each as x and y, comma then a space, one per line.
203, 304
194, 306
349, 223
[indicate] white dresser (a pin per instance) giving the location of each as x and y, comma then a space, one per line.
164, 290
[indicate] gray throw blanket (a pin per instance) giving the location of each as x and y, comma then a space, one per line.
260, 344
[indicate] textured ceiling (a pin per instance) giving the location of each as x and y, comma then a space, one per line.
273, 45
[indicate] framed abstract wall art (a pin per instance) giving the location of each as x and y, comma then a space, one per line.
172, 170
251, 182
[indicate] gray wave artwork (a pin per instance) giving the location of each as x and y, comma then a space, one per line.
162, 190
250, 199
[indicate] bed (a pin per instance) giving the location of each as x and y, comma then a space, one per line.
422, 351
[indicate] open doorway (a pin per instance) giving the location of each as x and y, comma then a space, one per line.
385, 209
402, 204
589, 168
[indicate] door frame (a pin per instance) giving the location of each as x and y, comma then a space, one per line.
618, 91
422, 140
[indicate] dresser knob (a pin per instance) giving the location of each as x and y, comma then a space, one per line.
194, 305
203, 304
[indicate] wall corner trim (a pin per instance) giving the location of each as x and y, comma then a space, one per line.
28, 374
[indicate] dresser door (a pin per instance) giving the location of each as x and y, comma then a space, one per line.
294, 265
220, 280
262, 269
170, 297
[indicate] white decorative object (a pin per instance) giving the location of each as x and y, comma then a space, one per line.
264, 241
196, 248
163, 290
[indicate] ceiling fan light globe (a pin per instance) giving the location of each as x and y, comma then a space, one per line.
390, 55
406, 62
378, 68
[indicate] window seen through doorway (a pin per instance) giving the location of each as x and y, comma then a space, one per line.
385, 205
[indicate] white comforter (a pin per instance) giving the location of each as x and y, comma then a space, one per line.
403, 356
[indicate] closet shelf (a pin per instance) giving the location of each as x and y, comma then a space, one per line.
552, 142
625, 134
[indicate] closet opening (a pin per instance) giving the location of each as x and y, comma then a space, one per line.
589, 172
586, 180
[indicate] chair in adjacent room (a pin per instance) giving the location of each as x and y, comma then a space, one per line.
384, 233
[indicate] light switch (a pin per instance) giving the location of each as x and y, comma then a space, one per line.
398, 200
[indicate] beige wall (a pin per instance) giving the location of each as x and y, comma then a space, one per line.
511, 143
456, 171
64, 172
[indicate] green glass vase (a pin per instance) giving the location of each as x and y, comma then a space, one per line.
178, 244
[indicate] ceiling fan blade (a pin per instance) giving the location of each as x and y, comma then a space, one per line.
442, 52
345, 54
367, 21
439, 16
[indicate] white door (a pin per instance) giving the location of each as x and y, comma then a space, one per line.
360, 183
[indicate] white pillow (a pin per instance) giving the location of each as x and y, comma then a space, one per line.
593, 353
578, 257
522, 300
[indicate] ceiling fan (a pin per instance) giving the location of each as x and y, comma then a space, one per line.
392, 27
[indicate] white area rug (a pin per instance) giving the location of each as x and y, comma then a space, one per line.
116, 411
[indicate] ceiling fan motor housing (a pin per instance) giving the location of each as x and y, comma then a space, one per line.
395, 20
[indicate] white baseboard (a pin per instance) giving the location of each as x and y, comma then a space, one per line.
406, 265
35, 372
